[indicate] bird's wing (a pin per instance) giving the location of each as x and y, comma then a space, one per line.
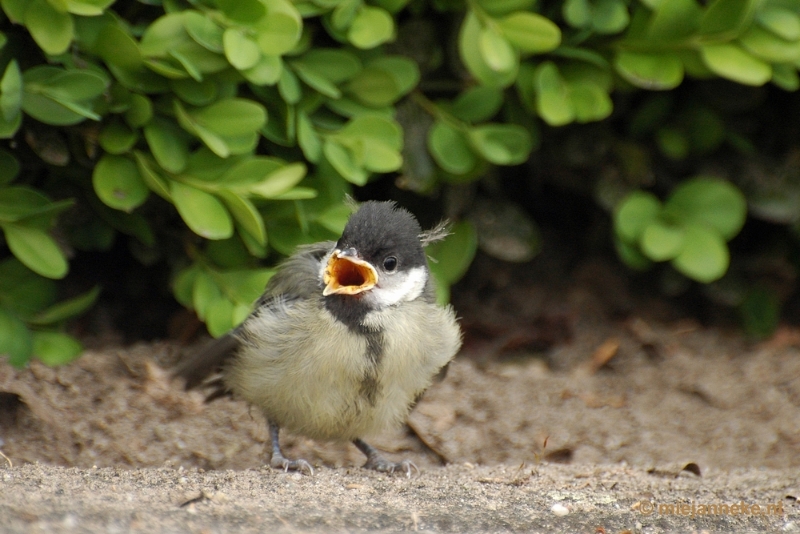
296, 278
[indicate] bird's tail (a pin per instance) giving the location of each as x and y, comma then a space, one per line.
199, 368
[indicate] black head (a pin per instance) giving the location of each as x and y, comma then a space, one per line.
385, 235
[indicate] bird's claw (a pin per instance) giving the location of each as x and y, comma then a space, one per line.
385, 466
280, 462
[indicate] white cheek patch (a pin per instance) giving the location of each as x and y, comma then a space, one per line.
400, 287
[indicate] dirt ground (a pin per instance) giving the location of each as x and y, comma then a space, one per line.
568, 418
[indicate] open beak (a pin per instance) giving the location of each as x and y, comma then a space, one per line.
347, 274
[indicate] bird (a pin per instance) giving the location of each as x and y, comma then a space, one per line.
345, 339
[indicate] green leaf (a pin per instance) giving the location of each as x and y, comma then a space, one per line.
14, 10
280, 31
308, 139
453, 256
117, 138
661, 241
9, 168
225, 124
477, 104
22, 291
36, 249
470, 49
227, 253
553, 102
577, 13
197, 60
450, 148
164, 34
246, 215
316, 80
66, 309
167, 144
371, 27
61, 97
500, 8
248, 171
183, 285
727, 17
118, 184
118, 48
610, 16
635, 213
244, 286
502, 144
384, 81
20, 202
202, 212
334, 64
204, 31
785, 77
335, 217
241, 51
11, 91
590, 102
705, 256
343, 161
140, 111
55, 348
716, 203
530, 33
769, 47
267, 71
652, 71
205, 293
375, 87
15, 339
380, 129
279, 181
496, 51
674, 20
289, 87
9, 128
760, 311
87, 8
781, 21
731, 62
219, 317
66, 85
344, 13
52, 30
631, 255
298, 193
151, 178
245, 11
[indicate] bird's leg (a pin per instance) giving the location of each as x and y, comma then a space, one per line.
278, 460
379, 463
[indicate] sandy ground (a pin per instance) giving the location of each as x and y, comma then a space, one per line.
565, 420
642, 410
457, 498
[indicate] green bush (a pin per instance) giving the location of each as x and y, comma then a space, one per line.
253, 119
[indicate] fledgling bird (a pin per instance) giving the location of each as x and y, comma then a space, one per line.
346, 337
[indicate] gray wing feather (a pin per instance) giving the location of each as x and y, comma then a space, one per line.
296, 278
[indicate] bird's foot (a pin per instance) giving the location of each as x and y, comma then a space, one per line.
382, 465
278, 461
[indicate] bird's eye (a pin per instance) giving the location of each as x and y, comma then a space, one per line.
390, 263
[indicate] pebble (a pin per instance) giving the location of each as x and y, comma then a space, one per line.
559, 509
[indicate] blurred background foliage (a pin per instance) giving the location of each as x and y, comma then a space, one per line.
157, 147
